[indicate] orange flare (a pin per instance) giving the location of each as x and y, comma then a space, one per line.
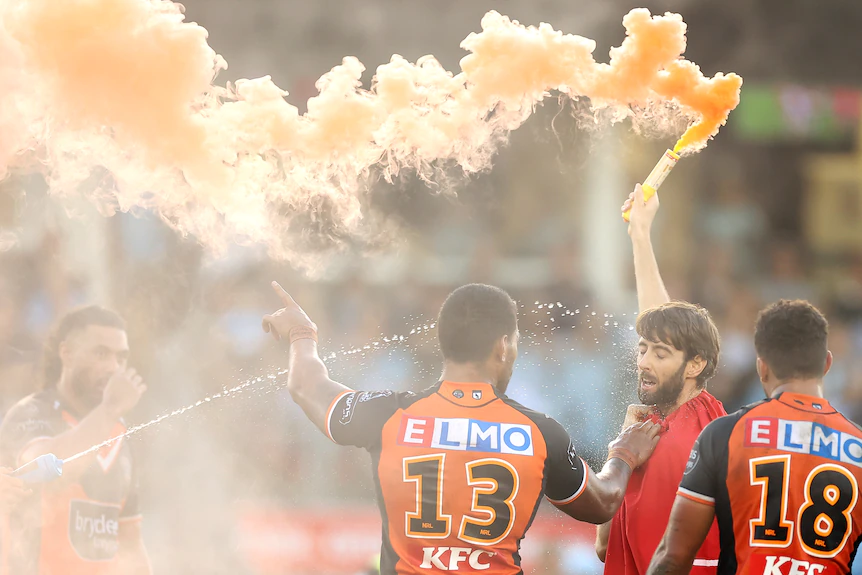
127, 85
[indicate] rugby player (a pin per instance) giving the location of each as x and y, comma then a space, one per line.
87, 522
460, 468
678, 353
781, 476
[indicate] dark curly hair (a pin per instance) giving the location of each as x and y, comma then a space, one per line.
472, 318
791, 337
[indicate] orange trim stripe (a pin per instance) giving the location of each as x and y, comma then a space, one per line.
580, 490
696, 497
329, 413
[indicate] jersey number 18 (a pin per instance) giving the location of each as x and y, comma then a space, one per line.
822, 522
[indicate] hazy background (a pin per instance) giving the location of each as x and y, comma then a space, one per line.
770, 209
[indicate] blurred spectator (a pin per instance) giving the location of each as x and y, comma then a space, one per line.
733, 219
736, 382
842, 386
18, 351
787, 277
848, 291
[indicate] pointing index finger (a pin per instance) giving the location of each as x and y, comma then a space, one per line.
285, 297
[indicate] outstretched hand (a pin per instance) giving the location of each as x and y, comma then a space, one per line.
280, 322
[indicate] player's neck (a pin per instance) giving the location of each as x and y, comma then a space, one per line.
688, 393
812, 387
69, 398
466, 373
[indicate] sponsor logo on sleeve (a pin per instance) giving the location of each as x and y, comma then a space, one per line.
693, 458
347, 411
369, 395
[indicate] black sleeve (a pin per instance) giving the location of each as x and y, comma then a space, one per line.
357, 417
700, 482
27, 421
566, 472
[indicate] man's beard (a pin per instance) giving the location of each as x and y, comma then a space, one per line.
87, 392
666, 392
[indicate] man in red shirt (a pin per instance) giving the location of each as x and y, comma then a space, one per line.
677, 354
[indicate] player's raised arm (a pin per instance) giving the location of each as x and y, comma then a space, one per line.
307, 379
601, 494
650, 287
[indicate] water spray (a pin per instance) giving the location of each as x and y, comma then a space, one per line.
43, 469
49, 467
657, 176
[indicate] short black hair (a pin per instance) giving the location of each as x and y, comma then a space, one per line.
791, 337
472, 319
75, 320
687, 327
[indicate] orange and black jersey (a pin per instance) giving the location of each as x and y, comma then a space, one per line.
67, 527
784, 477
460, 470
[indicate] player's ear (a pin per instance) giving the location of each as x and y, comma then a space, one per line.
762, 370
695, 367
501, 348
64, 350
828, 362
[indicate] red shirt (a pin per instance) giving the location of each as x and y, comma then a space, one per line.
637, 528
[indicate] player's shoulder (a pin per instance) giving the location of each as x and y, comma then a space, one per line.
37, 415
378, 403
851, 425
722, 427
40, 405
549, 427
385, 396
850, 422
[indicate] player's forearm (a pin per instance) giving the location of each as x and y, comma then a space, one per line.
603, 533
308, 382
650, 287
686, 531
612, 482
306, 370
663, 563
96, 427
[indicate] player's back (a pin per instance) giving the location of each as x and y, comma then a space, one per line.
791, 468
460, 473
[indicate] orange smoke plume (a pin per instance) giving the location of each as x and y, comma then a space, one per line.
127, 85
